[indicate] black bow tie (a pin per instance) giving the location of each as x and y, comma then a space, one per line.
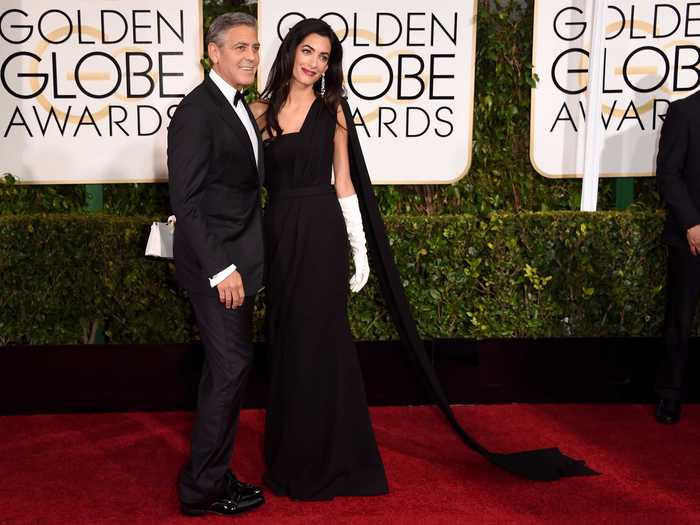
239, 96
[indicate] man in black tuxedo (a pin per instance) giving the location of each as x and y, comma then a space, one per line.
215, 168
678, 179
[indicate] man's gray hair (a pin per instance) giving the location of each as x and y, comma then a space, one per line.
222, 23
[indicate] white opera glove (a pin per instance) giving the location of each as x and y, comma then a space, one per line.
350, 207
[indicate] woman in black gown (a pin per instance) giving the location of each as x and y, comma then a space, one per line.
319, 441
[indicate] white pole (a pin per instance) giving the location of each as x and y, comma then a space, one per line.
594, 126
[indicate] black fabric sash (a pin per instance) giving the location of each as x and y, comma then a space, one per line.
541, 465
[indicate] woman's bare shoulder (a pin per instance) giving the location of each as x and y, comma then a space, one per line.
259, 107
340, 118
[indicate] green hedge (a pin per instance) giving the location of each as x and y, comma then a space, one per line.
506, 275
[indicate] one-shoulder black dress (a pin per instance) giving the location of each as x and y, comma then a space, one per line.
319, 441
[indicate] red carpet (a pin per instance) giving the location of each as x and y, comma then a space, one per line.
120, 469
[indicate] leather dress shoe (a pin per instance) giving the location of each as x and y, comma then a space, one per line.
226, 505
668, 411
246, 490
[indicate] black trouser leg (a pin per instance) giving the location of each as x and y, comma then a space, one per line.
227, 338
682, 292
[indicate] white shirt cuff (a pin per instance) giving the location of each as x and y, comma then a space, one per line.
213, 281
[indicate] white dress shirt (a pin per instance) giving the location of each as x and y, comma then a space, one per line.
229, 93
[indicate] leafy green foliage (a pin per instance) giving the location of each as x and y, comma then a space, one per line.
541, 274
504, 275
16, 199
61, 273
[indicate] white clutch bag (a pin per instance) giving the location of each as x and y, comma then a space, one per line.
160, 240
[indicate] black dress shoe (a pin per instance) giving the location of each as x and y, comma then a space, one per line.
227, 505
246, 490
668, 411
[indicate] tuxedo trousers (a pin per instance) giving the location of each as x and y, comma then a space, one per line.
682, 294
227, 338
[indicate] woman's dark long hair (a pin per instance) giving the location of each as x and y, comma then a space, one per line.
277, 87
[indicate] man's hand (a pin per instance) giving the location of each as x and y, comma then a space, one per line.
693, 236
231, 293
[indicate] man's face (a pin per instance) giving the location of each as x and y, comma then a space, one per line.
236, 61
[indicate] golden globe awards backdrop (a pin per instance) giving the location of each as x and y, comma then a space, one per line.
651, 58
88, 87
409, 68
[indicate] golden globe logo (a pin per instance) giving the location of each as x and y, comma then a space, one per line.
651, 56
85, 78
409, 70
666, 63
87, 89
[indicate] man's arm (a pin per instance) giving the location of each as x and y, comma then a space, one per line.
670, 162
189, 145
189, 141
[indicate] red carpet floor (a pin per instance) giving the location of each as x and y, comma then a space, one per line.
116, 469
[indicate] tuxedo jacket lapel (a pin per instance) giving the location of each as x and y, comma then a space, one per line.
229, 115
261, 154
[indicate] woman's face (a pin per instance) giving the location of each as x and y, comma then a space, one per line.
311, 59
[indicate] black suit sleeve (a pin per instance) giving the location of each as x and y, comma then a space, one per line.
670, 163
189, 147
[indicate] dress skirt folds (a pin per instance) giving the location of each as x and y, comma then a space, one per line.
319, 441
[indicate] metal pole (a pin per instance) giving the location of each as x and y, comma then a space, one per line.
94, 202
624, 192
94, 197
594, 127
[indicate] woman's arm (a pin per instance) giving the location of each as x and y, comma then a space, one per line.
341, 158
349, 204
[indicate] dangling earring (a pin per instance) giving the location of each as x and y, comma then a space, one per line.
323, 85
